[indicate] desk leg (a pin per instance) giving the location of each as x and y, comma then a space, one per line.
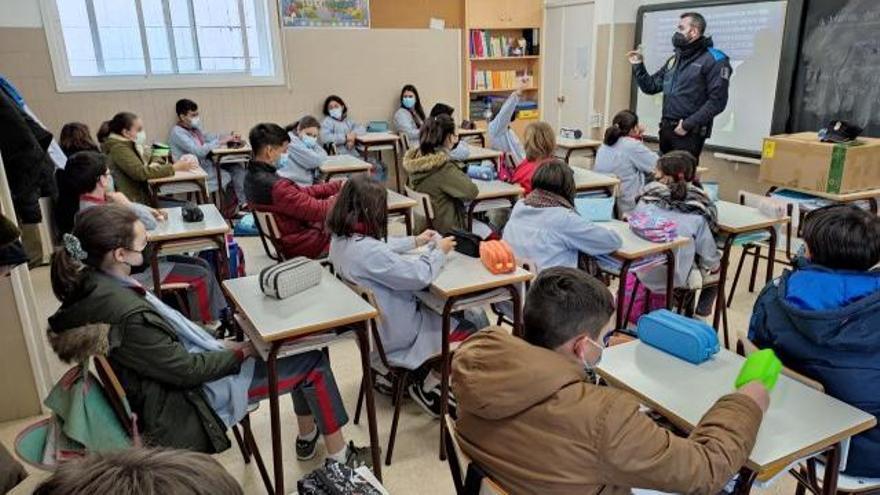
568, 156
746, 480
397, 168
482, 138
832, 470
446, 359
275, 420
407, 217
771, 256
469, 223
154, 266
218, 171
363, 337
621, 294
203, 191
872, 205
223, 269
515, 298
720, 300
670, 278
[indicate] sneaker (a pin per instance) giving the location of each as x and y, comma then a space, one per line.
430, 401
356, 457
305, 449
382, 385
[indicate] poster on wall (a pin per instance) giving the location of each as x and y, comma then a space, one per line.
325, 13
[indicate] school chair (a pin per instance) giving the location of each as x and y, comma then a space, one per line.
810, 473
404, 142
424, 207
753, 245
270, 235
475, 481
330, 148
398, 376
503, 310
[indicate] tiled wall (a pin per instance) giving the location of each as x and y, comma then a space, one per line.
366, 67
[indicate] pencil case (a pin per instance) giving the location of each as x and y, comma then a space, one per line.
762, 366
290, 277
481, 172
684, 338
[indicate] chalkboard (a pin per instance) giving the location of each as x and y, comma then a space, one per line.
837, 74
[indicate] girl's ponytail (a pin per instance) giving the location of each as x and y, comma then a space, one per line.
622, 124
680, 167
435, 132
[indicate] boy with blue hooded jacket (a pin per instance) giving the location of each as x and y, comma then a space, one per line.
822, 318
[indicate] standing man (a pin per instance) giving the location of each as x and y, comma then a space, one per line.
694, 83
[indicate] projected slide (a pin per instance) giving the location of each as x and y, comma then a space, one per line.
751, 35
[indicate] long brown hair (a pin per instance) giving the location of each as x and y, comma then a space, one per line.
75, 137
435, 132
680, 167
540, 141
361, 208
98, 230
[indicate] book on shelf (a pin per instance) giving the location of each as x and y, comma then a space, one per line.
483, 80
480, 107
484, 44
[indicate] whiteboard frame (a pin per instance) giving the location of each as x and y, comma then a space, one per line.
794, 12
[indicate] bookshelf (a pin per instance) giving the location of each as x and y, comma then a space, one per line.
502, 42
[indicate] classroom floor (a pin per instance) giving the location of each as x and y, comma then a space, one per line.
416, 467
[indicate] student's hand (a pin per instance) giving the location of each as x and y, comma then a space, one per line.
247, 348
185, 164
446, 244
350, 136
757, 392
227, 139
350, 144
159, 214
521, 84
679, 130
425, 237
117, 198
635, 57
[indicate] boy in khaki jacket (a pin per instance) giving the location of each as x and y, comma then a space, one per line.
529, 417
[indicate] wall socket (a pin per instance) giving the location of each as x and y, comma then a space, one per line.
596, 120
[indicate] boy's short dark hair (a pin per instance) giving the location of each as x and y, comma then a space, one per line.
843, 237
441, 108
267, 134
563, 303
185, 106
697, 20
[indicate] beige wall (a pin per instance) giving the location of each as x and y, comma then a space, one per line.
365, 67
16, 379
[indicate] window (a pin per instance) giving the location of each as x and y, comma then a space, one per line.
139, 44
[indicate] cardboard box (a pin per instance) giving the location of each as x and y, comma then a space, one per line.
801, 161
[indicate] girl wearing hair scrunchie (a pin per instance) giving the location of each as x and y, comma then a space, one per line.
624, 154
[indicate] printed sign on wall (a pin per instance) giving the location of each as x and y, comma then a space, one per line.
325, 13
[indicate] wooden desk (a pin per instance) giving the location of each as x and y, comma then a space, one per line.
197, 176
869, 195
320, 309
473, 133
226, 155
342, 165
374, 140
734, 220
634, 248
492, 189
174, 230
479, 154
462, 277
587, 180
801, 421
571, 145
398, 204
701, 170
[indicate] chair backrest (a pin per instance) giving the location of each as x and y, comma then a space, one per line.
424, 207
748, 347
404, 142
459, 463
368, 295
117, 398
330, 148
267, 227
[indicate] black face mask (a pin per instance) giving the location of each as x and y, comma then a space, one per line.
679, 40
147, 256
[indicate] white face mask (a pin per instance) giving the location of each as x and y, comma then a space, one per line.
587, 364
336, 113
111, 185
141, 137
196, 122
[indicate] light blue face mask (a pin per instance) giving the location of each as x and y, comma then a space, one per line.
591, 367
310, 141
409, 102
111, 185
282, 161
336, 113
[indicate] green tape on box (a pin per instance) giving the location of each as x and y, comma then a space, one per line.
835, 171
762, 366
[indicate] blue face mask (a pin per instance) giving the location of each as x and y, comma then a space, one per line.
309, 141
282, 161
409, 102
336, 113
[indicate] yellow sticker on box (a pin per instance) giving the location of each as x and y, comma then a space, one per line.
769, 148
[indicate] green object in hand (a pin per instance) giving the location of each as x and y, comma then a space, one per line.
762, 366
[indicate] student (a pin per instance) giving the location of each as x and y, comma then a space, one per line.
410, 117
432, 172
675, 196
340, 130
185, 387
76, 136
822, 318
520, 396
411, 333
461, 152
141, 471
304, 154
187, 137
545, 228
501, 136
86, 182
300, 212
624, 155
133, 163
540, 146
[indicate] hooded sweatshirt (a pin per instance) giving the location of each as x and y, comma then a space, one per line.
441, 179
825, 324
528, 417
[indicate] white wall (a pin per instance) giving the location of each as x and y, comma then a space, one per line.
20, 13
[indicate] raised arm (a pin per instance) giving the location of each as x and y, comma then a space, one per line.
499, 123
650, 84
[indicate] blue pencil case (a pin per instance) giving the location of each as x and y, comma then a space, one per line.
481, 172
684, 338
